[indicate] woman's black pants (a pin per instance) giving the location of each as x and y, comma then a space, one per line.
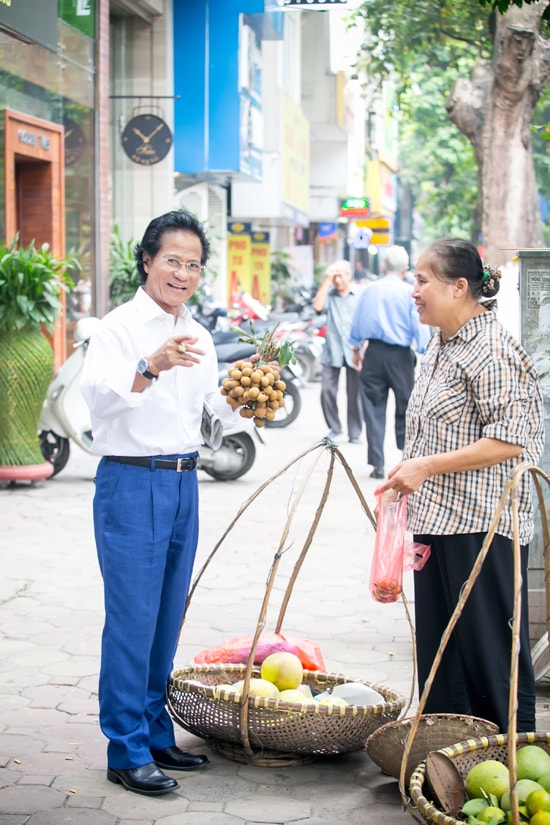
473, 676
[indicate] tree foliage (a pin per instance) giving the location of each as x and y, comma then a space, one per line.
402, 37
437, 160
425, 47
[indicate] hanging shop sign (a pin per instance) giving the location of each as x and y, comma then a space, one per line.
355, 208
380, 228
146, 139
21, 17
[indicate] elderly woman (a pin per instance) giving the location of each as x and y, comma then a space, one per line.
474, 414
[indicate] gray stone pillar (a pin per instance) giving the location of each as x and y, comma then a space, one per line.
534, 281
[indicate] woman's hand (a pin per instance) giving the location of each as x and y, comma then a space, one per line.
408, 476
388, 497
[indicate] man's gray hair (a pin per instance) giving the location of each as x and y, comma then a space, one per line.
395, 259
345, 266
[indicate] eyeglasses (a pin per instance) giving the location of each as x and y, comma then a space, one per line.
192, 267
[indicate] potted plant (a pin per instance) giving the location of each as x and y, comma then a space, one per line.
31, 283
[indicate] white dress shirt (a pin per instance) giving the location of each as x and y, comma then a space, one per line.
164, 419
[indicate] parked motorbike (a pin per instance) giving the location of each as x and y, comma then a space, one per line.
65, 417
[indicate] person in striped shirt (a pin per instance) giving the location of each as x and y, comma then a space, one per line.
475, 413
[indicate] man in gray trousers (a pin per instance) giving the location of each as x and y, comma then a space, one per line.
338, 298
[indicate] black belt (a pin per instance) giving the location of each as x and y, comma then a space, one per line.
180, 465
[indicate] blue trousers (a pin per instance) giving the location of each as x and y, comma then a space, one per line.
146, 532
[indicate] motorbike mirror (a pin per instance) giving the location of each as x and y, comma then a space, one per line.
84, 328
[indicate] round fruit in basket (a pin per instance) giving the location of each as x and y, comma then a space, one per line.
487, 777
532, 762
284, 669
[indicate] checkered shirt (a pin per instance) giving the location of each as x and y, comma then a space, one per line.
478, 384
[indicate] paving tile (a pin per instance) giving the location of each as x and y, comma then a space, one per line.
269, 809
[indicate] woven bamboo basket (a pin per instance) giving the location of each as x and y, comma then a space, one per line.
464, 756
270, 732
435, 731
274, 726
502, 747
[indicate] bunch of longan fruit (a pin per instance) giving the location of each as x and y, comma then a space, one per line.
256, 388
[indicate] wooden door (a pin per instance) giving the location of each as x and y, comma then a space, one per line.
35, 194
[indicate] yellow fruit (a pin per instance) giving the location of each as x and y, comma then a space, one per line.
540, 818
334, 700
227, 691
263, 687
489, 776
537, 801
491, 814
284, 669
532, 762
523, 788
296, 696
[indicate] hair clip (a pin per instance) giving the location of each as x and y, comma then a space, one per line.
489, 278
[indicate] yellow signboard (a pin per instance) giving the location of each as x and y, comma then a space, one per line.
295, 158
238, 262
381, 230
261, 267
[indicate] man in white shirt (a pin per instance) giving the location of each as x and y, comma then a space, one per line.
149, 369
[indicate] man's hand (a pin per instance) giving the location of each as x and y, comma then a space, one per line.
176, 352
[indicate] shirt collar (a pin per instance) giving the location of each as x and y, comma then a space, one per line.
472, 327
149, 309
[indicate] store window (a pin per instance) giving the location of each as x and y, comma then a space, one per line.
58, 86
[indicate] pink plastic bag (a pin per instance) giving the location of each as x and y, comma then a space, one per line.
386, 573
237, 651
394, 550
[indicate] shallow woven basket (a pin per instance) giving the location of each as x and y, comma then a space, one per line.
275, 727
386, 745
465, 755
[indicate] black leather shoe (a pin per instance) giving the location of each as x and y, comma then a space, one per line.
378, 472
146, 779
175, 759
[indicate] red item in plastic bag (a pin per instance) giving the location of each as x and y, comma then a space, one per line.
236, 651
394, 550
386, 574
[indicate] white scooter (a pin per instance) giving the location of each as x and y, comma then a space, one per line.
65, 417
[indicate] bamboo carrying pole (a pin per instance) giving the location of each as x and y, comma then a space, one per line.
317, 451
510, 493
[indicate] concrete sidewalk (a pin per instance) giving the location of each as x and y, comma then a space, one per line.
52, 752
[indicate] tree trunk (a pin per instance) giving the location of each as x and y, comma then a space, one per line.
494, 110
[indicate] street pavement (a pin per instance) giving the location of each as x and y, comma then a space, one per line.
52, 751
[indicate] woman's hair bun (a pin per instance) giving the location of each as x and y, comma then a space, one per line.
490, 280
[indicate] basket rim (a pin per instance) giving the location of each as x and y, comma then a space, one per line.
426, 808
406, 721
395, 700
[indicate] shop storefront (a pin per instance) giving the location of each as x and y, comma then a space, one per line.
47, 94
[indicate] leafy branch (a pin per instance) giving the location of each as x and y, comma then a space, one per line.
268, 348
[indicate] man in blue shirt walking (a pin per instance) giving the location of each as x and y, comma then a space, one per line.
384, 328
